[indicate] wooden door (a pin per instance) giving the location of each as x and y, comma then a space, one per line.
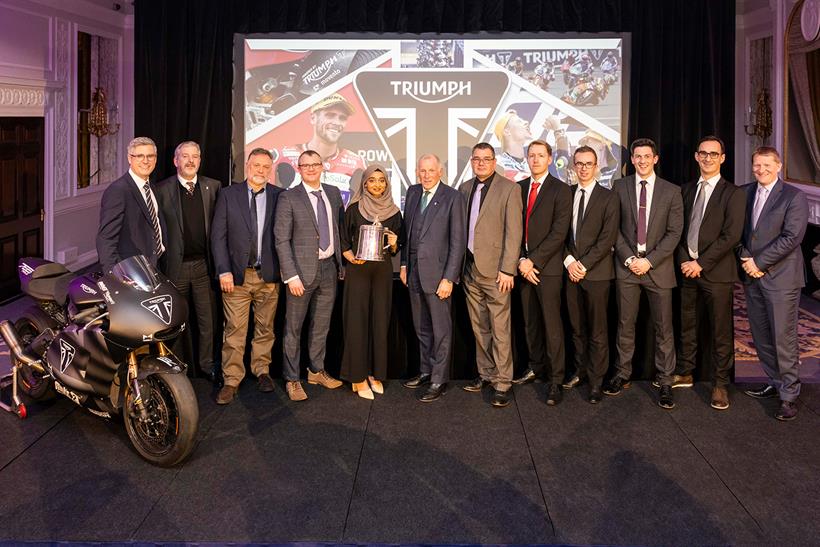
21, 197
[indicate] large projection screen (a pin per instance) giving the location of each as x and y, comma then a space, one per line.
387, 101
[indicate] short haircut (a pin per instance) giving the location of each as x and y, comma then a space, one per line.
712, 138
643, 142
766, 151
308, 153
260, 152
484, 146
141, 141
429, 157
539, 142
183, 144
585, 148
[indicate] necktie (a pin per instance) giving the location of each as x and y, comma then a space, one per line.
425, 199
321, 219
696, 218
579, 216
253, 256
475, 207
530, 204
152, 212
190, 185
760, 201
642, 215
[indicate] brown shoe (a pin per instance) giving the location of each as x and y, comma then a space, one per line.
225, 395
265, 384
682, 380
295, 391
323, 379
720, 398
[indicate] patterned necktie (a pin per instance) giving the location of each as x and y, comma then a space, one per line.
642, 215
530, 204
425, 199
321, 219
475, 207
696, 218
191, 186
152, 212
579, 216
760, 201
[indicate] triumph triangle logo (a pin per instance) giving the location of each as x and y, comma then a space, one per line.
67, 353
161, 306
455, 108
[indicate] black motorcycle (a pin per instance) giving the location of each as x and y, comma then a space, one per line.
100, 342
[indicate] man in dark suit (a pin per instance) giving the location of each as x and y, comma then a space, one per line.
713, 213
651, 224
430, 264
307, 240
494, 215
546, 219
774, 273
590, 270
130, 223
186, 203
245, 261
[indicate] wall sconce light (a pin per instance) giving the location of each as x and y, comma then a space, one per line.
98, 124
759, 122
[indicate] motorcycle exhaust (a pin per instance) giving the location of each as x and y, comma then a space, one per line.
13, 342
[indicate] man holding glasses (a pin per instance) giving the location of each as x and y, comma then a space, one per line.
494, 226
130, 223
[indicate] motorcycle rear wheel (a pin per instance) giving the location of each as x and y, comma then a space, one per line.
35, 385
168, 436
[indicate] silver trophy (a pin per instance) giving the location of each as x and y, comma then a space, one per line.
372, 242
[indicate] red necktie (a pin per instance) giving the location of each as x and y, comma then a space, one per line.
530, 204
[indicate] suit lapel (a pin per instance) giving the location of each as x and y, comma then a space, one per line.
305, 199
204, 193
774, 194
268, 208
656, 200
494, 190
136, 193
590, 206
432, 210
173, 190
244, 205
633, 200
720, 187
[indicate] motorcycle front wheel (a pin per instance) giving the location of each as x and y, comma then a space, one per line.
168, 435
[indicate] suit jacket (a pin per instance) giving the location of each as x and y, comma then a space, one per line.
125, 228
720, 230
775, 242
167, 192
497, 237
663, 229
597, 236
231, 233
297, 232
443, 237
549, 223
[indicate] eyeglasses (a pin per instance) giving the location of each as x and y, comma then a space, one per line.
309, 165
703, 155
584, 164
478, 160
143, 157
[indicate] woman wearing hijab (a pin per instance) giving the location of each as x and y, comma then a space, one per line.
368, 288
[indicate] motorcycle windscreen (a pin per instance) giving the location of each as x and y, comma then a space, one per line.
137, 272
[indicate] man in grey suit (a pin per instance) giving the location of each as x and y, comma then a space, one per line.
774, 273
430, 264
307, 242
186, 203
651, 226
494, 227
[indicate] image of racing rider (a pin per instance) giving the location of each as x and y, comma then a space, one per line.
513, 132
544, 74
329, 119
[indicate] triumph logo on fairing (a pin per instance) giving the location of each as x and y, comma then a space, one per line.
160, 306
26, 269
67, 353
87, 289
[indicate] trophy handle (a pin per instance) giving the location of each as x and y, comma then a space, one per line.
387, 232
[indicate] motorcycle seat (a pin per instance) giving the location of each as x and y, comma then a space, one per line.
48, 269
50, 288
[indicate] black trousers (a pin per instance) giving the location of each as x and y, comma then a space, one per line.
716, 299
587, 305
366, 304
544, 328
194, 284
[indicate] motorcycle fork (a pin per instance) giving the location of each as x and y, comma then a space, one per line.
135, 386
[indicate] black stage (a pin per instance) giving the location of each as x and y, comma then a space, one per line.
340, 469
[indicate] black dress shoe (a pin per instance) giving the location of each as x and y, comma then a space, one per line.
417, 381
616, 385
526, 378
665, 400
265, 383
554, 395
786, 412
500, 399
595, 396
767, 392
574, 382
476, 385
433, 392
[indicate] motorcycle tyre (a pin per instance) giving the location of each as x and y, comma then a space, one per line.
179, 389
31, 325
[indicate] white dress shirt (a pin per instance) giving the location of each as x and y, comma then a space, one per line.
140, 182
708, 189
576, 202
